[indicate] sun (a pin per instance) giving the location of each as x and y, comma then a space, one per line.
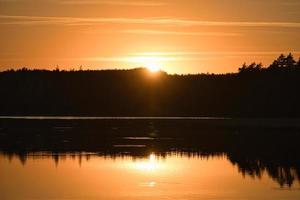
153, 67
152, 63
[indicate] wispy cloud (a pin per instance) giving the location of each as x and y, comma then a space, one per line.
180, 33
150, 3
131, 59
113, 2
41, 20
204, 53
290, 3
181, 56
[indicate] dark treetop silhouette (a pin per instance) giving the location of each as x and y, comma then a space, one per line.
252, 92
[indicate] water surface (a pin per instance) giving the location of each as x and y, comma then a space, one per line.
147, 159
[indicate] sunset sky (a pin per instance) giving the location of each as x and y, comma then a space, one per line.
178, 36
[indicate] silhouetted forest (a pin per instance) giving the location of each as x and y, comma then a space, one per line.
254, 91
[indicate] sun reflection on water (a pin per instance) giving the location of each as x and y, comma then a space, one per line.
151, 164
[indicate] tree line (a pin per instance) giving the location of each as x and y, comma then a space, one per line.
254, 91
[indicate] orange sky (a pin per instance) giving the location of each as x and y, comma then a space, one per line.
179, 36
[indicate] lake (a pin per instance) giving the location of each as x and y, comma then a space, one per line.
149, 158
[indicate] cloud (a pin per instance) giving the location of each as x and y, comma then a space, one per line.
181, 56
145, 3
77, 21
113, 2
158, 32
209, 55
291, 3
224, 53
131, 59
